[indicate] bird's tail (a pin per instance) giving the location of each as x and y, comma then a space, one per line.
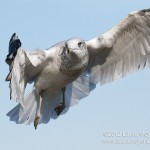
27, 114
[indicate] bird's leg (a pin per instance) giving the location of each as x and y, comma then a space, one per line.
38, 114
62, 105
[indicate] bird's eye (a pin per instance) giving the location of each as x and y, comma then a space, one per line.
79, 44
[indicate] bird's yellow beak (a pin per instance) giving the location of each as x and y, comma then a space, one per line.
69, 50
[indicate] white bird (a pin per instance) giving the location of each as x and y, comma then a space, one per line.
67, 72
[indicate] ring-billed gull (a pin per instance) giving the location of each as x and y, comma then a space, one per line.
69, 71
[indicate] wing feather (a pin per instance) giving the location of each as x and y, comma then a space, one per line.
122, 50
26, 67
78, 89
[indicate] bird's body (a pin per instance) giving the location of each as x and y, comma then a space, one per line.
59, 70
51, 71
67, 72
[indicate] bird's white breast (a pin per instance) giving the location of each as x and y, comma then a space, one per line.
57, 73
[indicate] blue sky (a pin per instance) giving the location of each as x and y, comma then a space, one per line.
121, 106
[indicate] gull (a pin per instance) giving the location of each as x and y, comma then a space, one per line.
67, 72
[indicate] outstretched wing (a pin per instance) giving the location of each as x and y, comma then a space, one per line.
25, 68
116, 53
123, 49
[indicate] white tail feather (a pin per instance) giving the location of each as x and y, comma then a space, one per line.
20, 115
28, 113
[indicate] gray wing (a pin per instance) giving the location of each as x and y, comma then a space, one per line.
26, 66
123, 49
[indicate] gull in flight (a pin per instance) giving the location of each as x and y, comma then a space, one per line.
67, 72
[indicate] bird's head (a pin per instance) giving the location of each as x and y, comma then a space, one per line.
75, 48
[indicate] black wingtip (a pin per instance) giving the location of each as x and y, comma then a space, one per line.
13, 37
14, 45
146, 10
14, 34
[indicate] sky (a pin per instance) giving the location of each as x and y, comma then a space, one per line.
117, 111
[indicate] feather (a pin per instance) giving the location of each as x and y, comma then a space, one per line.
23, 72
129, 47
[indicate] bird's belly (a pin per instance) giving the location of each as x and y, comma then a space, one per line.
56, 75
52, 79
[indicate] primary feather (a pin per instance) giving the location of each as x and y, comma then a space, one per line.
123, 49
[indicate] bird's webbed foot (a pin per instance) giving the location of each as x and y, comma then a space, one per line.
36, 121
8, 78
59, 109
